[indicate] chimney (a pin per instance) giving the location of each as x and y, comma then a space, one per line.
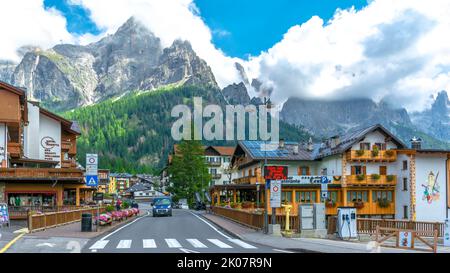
296, 149
310, 146
281, 144
335, 141
416, 143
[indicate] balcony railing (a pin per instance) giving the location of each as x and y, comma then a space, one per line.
14, 149
39, 173
68, 164
367, 155
377, 180
214, 163
249, 180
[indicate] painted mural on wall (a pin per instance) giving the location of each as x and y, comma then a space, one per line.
431, 189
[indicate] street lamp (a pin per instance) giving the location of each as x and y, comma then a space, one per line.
268, 105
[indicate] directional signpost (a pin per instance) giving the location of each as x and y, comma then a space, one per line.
324, 187
92, 177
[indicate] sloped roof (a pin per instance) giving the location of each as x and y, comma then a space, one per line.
259, 150
354, 136
222, 150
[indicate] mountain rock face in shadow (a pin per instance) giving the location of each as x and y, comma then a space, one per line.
68, 76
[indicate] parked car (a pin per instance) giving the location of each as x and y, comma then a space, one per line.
162, 207
183, 204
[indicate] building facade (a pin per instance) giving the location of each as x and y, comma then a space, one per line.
37, 154
370, 169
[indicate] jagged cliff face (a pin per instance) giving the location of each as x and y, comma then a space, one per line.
326, 118
435, 121
6, 70
68, 76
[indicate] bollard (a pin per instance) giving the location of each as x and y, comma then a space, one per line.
287, 209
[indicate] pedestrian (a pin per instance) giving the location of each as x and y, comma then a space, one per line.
118, 204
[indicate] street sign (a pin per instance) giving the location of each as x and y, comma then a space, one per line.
324, 195
447, 233
98, 196
91, 164
405, 238
324, 180
275, 194
4, 214
324, 187
92, 180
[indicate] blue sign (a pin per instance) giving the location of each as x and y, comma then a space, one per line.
324, 180
92, 180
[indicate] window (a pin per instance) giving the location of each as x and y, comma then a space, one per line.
364, 146
405, 164
376, 195
405, 183
333, 195
226, 159
213, 171
405, 212
381, 146
383, 170
353, 196
324, 171
303, 170
305, 196
357, 170
286, 197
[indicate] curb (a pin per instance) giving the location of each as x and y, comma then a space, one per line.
223, 228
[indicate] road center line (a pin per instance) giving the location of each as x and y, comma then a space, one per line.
213, 227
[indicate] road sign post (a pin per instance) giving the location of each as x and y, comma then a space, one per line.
92, 177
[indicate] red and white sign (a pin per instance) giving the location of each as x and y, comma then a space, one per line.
275, 193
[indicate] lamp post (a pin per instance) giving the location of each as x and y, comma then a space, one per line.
268, 105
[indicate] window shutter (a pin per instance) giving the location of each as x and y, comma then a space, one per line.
353, 170
307, 171
364, 170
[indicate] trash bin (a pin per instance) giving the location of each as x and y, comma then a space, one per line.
86, 222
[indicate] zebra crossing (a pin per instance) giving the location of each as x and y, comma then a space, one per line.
172, 243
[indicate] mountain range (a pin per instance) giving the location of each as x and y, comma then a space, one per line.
68, 77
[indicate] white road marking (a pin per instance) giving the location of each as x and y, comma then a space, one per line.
149, 243
196, 243
173, 243
99, 244
241, 243
46, 244
219, 243
188, 250
284, 251
213, 227
117, 230
124, 244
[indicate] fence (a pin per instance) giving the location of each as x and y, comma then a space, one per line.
21, 212
369, 226
53, 219
254, 220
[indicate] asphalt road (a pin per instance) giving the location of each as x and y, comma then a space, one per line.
184, 232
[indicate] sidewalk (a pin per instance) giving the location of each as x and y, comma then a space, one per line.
63, 239
304, 244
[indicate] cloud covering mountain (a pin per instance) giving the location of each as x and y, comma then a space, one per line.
392, 49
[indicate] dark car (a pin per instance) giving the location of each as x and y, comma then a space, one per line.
162, 207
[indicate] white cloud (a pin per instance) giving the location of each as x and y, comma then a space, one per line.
27, 22
392, 48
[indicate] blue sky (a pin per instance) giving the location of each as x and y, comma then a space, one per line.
240, 28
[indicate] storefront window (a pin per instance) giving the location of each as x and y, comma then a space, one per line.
286, 197
31, 199
305, 196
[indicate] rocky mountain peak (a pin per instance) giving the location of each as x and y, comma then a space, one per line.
442, 104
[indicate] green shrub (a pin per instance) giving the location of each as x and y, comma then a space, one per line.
383, 202
360, 152
110, 208
390, 178
375, 176
360, 177
125, 205
389, 153
375, 151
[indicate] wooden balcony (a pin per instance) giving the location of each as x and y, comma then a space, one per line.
39, 173
369, 180
14, 149
249, 180
213, 164
68, 164
66, 145
368, 156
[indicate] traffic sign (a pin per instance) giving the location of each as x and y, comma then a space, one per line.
91, 164
275, 193
324, 180
92, 180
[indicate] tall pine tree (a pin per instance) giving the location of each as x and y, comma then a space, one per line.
189, 171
